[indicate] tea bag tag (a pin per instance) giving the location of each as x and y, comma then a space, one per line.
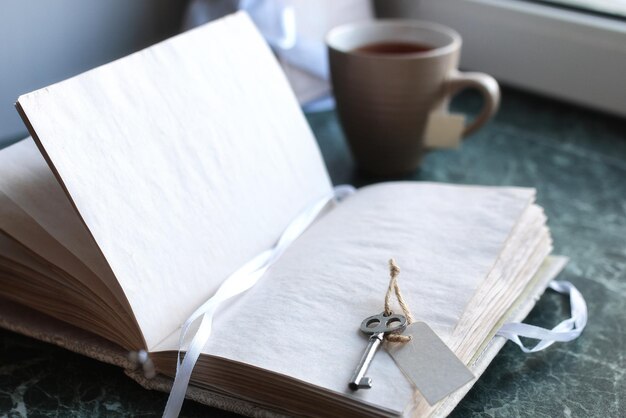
444, 130
428, 363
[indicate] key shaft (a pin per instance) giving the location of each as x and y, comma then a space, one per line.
358, 380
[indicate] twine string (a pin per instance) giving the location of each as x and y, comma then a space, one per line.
394, 272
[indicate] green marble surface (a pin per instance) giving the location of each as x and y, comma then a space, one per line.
577, 161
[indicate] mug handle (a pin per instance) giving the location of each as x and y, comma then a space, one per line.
488, 88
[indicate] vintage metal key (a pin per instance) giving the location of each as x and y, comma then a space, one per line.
376, 327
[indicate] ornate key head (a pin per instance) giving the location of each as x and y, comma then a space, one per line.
380, 323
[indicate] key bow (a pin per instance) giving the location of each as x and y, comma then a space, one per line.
390, 324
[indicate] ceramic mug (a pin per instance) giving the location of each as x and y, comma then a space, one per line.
384, 99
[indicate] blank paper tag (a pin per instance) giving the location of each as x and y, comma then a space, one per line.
428, 363
444, 130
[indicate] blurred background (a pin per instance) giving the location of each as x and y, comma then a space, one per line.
44, 42
574, 50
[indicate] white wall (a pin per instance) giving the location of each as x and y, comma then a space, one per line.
42, 42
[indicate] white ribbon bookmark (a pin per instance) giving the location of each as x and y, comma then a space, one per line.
567, 330
238, 282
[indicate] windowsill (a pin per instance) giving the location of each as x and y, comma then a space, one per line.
566, 54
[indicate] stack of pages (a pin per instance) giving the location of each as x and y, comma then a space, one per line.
149, 180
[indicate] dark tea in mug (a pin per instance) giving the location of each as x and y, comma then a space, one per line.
393, 48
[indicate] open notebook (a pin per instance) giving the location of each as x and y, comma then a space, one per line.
151, 179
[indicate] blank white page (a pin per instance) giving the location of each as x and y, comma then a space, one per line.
184, 160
